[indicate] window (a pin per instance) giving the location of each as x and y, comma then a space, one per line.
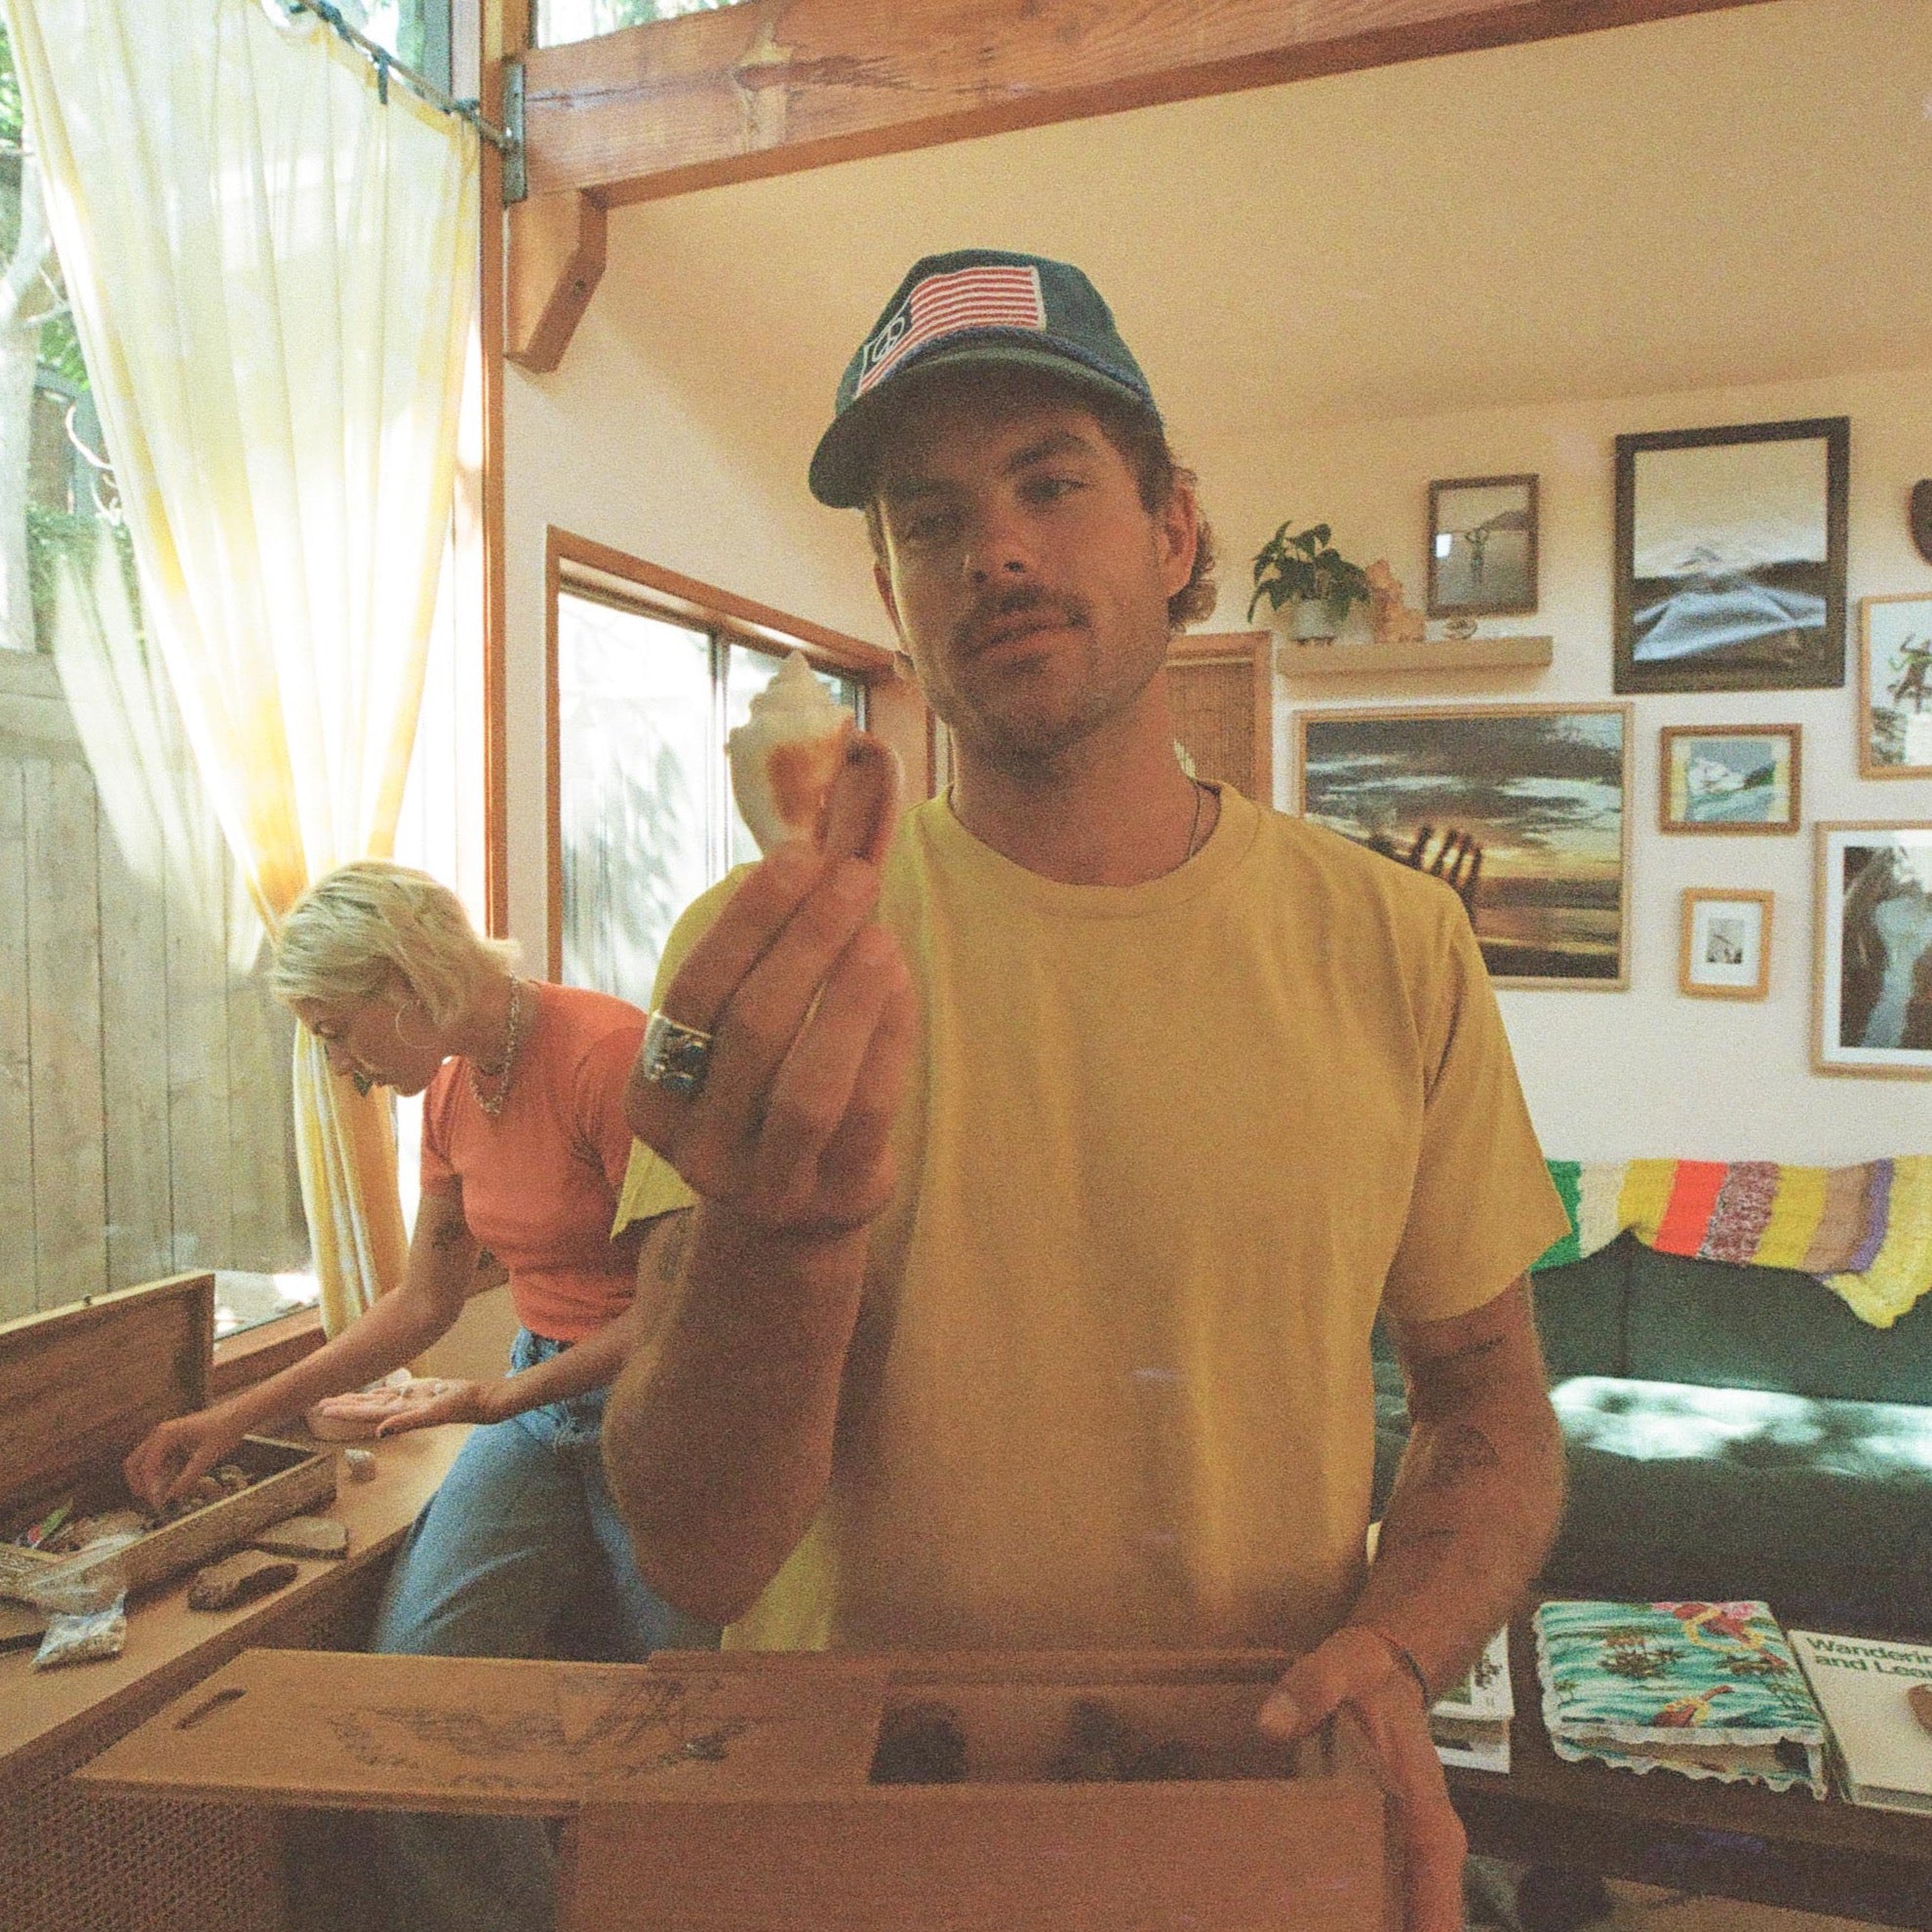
650, 672
559, 20
416, 32
145, 1068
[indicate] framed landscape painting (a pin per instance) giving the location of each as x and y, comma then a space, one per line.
1481, 547
1524, 808
1895, 687
1730, 570
1873, 977
1729, 779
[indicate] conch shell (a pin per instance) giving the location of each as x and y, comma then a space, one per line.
785, 757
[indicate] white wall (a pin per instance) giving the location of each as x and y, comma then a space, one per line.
618, 448
1647, 1071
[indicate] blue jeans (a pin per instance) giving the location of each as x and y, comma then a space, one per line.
522, 1530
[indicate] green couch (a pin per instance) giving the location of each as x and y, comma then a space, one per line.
1731, 1432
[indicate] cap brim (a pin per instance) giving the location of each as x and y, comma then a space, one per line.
841, 474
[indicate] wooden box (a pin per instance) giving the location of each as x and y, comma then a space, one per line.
744, 1794
81, 1386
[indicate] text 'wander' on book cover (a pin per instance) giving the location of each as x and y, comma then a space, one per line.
1873, 1694
1711, 1690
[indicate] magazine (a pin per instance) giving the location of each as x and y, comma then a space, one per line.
1710, 1690
1469, 1722
1877, 1700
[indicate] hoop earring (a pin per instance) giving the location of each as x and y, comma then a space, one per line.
414, 1045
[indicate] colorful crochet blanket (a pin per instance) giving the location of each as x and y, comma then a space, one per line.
1865, 1232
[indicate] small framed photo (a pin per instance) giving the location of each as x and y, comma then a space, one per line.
1729, 779
1725, 945
1481, 547
1872, 974
1730, 570
1895, 687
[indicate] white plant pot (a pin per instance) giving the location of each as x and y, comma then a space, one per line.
1309, 621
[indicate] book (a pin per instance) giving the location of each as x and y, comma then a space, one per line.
1880, 1747
1709, 1690
1469, 1722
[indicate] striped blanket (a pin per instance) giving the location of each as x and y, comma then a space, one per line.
1865, 1232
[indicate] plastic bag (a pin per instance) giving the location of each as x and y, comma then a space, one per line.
80, 1637
86, 1603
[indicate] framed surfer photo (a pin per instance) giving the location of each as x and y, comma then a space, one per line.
1731, 570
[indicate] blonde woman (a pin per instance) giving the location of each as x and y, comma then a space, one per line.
524, 1149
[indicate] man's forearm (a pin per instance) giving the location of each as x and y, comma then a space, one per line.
718, 1441
1478, 1498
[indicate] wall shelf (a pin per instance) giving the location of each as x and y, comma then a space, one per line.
1361, 660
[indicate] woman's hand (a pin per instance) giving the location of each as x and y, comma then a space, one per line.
455, 1402
176, 1454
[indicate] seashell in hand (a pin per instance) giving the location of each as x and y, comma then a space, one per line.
785, 757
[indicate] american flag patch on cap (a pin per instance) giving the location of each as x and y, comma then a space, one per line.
991, 298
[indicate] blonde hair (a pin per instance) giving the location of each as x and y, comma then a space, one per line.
359, 925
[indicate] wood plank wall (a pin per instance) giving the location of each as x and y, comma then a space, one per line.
145, 1122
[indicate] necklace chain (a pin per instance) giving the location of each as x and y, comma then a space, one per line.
513, 1034
1194, 828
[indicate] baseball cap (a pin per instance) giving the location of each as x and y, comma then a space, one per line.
972, 305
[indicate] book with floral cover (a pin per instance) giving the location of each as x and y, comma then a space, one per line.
1469, 1722
1877, 1699
1711, 1690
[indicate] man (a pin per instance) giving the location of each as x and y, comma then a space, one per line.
1041, 1219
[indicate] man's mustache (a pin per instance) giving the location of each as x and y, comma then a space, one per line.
993, 615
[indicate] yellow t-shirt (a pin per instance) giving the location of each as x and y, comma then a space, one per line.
1168, 1148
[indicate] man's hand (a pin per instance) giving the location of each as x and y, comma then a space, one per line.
811, 1009
1360, 1668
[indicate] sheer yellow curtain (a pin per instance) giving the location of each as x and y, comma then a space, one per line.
272, 275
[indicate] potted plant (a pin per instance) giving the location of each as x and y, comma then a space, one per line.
1307, 572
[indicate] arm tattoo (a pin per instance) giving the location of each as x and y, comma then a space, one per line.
450, 1233
1465, 1452
671, 1255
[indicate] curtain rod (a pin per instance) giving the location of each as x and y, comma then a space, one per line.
386, 66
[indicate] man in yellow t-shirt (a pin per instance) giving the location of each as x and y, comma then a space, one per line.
1047, 1163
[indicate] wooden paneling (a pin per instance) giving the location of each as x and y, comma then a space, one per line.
144, 1113
197, 982
775, 86
134, 1064
64, 983
1221, 688
17, 1264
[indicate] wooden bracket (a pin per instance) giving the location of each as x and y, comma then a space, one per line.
555, 262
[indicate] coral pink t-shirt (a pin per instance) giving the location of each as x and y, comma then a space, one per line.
540, 1181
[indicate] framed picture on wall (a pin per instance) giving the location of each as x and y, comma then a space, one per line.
1895, 687
1481, 547
1522, 808
1724, 945
1729, 779
1730, 567
1873, 974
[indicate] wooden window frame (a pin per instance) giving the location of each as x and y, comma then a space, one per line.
894, 709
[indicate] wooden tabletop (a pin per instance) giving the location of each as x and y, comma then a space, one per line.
1740, 1840
43, 1714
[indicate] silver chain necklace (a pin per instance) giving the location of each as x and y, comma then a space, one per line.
1194, 828
493, 1104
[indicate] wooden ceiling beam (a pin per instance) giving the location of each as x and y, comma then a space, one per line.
775, 86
